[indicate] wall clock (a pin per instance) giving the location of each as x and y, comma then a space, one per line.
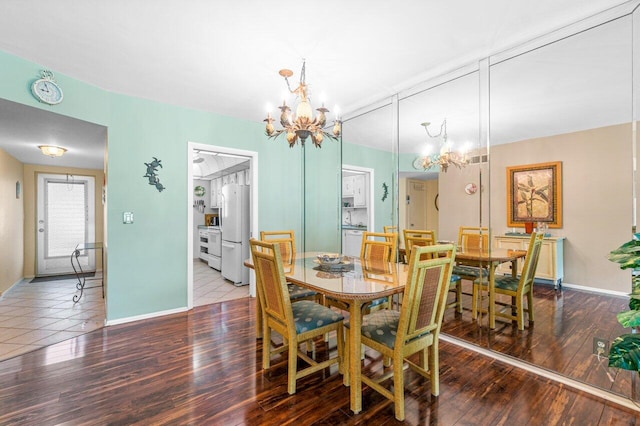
46, 90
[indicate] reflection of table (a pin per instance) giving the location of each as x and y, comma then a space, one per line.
354, 288
490, 259
81, 284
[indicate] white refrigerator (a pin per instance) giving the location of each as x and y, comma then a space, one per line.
235, 225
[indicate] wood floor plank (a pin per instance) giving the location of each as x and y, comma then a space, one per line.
203, 367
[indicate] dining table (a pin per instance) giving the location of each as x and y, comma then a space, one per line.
355, 283
490, 259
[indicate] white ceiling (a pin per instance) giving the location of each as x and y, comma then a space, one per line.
224, 57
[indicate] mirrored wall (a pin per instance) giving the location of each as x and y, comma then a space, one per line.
566, 98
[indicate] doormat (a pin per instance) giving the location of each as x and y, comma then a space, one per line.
61, 277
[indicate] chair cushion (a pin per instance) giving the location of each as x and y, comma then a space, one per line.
297, 292
308, 315
507, 282
381, 326
469, 271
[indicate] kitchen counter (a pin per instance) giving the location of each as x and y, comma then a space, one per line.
212, 228
354, 227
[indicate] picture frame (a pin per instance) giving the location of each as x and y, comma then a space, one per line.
534, 194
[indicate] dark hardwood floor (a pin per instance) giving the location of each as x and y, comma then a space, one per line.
203, 368
561, 338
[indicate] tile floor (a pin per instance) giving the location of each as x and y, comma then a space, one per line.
40, 314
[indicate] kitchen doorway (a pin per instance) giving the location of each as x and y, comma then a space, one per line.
250, 179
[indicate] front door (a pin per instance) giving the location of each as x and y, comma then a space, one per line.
65, 218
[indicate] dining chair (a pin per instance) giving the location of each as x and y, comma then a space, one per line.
296, 322
416, 238
516, 288
415, 328
382, 248
389, 229
471, 237
287, 243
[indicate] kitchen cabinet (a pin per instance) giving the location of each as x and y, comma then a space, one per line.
551, 260
359, 191
351, 242
347, 186
216, 187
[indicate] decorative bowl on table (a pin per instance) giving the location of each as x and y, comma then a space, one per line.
329, 258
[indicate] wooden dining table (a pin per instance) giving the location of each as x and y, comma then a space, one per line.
355, 286
490, 259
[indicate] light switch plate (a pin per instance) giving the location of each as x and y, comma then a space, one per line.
127, 217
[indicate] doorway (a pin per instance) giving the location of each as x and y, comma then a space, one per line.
65, 218
252, 179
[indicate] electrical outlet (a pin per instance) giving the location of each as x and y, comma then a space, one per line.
600, 346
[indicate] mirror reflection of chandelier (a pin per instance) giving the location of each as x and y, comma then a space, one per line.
445, 157
301, 125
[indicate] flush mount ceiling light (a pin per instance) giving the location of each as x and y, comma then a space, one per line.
52, 151
445, 157
301, 125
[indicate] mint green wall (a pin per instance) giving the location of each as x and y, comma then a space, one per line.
385, 164
323, 185
147, 260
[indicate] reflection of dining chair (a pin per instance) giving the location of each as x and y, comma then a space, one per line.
380, 271
383, 249
415, 239
296, 322
471, 238
388, 229
287, 243
415, 328
516, 288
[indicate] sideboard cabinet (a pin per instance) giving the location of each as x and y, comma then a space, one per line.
550, 263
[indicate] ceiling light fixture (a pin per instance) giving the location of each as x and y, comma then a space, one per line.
303, 124
52, 151
445, 156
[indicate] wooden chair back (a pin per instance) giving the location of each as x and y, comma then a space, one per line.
415, 237
285, 239
426, 292
384, 248
271, 283
473, 237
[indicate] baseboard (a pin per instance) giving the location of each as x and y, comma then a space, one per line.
145, 316
12, 286
596, 290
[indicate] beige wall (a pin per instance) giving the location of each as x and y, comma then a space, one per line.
597, 192
30, 186
11, 221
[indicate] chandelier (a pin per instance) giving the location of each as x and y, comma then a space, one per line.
445, 157
301, 125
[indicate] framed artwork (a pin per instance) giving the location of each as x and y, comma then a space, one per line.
534, 194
